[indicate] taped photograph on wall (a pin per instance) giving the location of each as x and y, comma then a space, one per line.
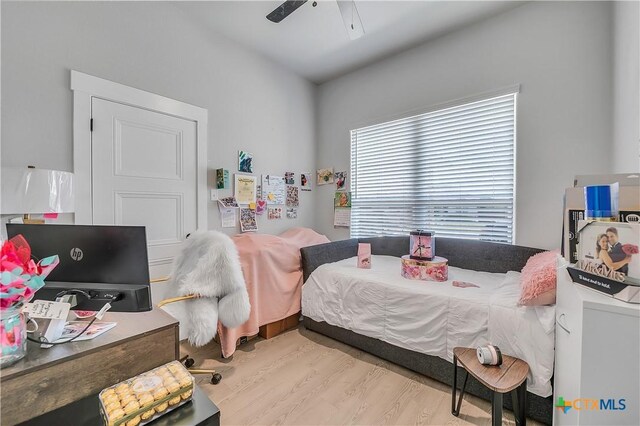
341, 181
342, 199
222, 178
324, 176
248, 220
292, 213
245, 162
290, 178
305, 181
245, 188
292, 196
228, 202
274, 213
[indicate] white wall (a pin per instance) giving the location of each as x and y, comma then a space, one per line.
253, 103
626, 87
558, 52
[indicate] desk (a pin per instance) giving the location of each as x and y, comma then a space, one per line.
86, 412
47, 379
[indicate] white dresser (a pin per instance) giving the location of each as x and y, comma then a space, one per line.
597, 356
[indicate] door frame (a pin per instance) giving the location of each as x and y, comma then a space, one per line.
85, 87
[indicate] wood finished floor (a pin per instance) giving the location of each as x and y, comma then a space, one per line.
304, 378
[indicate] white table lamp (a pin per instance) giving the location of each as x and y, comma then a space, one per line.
27, 190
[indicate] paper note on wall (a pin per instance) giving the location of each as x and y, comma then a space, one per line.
245, 188
228, 216
342, 216
274, 189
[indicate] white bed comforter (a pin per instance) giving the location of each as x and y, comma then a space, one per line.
434, 317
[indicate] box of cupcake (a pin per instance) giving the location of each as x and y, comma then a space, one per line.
147, 396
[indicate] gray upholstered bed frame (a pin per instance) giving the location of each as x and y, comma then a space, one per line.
468, 254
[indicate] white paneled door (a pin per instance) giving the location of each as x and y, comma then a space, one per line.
144, 173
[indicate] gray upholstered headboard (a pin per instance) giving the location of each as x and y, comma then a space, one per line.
468, 254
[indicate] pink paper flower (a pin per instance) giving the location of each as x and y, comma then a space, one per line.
630, 249
21, 276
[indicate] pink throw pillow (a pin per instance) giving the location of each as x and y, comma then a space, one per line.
539, 275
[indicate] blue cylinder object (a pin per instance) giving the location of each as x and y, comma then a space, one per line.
598, 202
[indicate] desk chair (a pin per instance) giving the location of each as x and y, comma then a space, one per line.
208, 276
187, 360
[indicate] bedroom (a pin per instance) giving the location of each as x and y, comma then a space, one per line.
296, 95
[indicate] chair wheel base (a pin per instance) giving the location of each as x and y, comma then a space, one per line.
189, 362
216, 378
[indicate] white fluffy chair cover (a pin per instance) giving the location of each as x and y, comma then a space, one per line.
209, 266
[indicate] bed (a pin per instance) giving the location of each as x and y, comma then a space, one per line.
417, 324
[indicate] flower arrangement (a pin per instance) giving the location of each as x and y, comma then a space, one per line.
20, 275
20, 278
630, 249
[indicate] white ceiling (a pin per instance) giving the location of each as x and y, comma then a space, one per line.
313, 41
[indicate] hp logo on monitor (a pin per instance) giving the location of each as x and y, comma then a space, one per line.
76, 254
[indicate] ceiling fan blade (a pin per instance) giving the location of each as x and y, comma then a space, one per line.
351, 18
284, 10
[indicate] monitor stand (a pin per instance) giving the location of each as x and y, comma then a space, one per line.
128, 297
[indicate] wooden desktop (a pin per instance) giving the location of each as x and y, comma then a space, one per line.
48, 379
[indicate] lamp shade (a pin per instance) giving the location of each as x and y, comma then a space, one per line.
27, 190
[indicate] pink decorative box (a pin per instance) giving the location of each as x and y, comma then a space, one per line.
435, 269
364, 256
422, 245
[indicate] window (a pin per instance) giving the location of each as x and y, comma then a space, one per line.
451, 171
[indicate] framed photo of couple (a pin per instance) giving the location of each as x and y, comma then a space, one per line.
610, 249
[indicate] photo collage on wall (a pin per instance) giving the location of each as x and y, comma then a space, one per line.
273, 196
341, 196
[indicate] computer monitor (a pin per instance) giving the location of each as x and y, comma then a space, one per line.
106, 262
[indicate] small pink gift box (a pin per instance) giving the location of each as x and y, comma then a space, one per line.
422, 245
364, 255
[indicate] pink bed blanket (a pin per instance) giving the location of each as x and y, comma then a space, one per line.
273, 272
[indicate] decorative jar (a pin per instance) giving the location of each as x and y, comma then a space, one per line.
13, 335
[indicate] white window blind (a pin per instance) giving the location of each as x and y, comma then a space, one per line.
451, 171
